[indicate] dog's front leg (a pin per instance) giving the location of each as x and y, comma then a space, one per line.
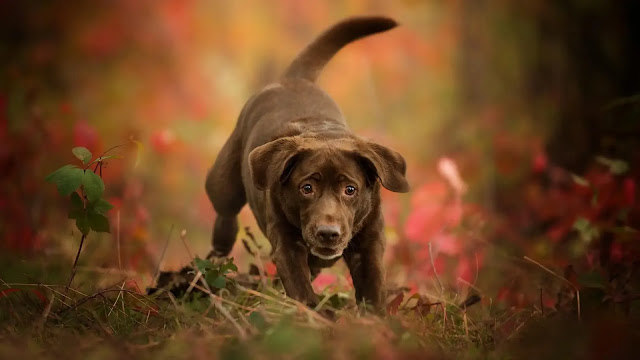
291, 261
367, 271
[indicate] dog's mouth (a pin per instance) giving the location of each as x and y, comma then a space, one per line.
325, 253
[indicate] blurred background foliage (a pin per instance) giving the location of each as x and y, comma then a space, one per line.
518, 121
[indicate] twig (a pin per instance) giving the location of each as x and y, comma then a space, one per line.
164, 250
97, 294
475, 281
193, 282
472, 286
466, 325
118, 239
433, 265
45, 313
516, 330
117, 298
303, 308
575, 288
541, 303
99, 162
246, 322
444, 316
216, 303
322, 302
75, 262
183, 237
109, 271
247, 308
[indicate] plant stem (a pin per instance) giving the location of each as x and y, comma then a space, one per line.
103, 154
73, 269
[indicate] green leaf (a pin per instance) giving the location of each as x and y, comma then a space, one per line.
83, 154
581, 224
82, 223
587, 231
211, 275
256, 319
93, 186
98, 222
101, 206
580, 180
77, 207
592, 280
339, 300
68, 179
203, 265
228, 266
619, 167
616, 166
219, 282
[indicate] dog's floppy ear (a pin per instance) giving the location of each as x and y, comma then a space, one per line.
386, 164
273, 161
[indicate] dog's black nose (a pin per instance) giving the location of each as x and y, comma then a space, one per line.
328, 233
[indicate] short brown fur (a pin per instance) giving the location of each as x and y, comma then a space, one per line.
313, 186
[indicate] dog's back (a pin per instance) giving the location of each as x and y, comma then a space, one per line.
269, 113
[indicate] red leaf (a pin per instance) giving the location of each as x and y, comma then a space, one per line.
132, 284
162, 141
629, 192
6, 292
85, 135
424, 222
322, 281
270, 268
40, 296
571, 275
464, 270
503, 294
37, 293
448, 244
539, 162
392, 307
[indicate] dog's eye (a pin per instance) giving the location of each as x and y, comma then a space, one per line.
350, 190
306, 189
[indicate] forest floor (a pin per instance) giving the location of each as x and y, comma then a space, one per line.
216, 312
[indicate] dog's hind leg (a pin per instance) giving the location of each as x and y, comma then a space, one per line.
226, 192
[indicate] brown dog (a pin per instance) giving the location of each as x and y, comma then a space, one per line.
313, 186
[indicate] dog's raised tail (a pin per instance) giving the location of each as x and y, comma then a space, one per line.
310, 62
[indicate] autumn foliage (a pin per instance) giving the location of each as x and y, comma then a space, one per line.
493, 212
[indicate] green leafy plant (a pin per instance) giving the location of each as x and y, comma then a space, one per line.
85, 189
216, 274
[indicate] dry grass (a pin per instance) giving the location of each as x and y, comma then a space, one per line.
252, 319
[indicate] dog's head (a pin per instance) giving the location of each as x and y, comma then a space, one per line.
326, 187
